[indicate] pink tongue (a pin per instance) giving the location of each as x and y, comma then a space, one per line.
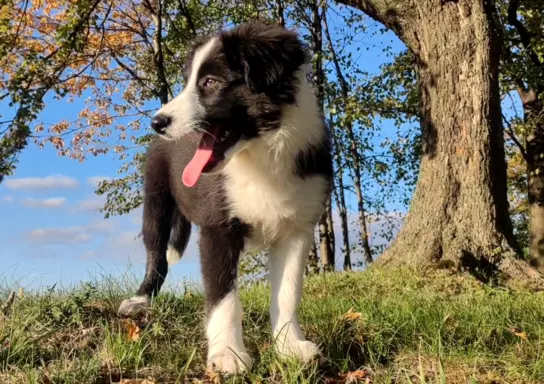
203, 154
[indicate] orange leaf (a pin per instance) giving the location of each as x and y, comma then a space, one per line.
213, 377
351, 316
133, 331
137, 381
354, 377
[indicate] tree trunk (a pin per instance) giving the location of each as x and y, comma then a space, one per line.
342, 211
279, 10
327, 258
326, 230
313, 261
459, 212
341, 204
533, 108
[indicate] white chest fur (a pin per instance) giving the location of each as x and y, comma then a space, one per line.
273, 202
262, 187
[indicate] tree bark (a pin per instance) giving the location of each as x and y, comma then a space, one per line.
534, 119
459, 212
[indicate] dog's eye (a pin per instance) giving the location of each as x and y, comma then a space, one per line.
209, 82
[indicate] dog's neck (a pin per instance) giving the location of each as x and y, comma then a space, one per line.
301, 127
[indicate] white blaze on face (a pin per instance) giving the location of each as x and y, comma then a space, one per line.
185, 110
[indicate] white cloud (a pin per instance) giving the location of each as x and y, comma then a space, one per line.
102, 226
91, 203
96, 180
72, 235
67, 235
8, 199
53, 202
49, 182
88, 255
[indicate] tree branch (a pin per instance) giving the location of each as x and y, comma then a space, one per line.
185, 11
158, 57
524, 34
388, 12
512, 135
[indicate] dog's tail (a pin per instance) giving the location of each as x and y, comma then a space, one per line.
179, 237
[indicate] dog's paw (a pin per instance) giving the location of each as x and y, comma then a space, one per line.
300, 349
230, 362
133, 305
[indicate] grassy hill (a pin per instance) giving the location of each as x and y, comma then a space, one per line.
375, 327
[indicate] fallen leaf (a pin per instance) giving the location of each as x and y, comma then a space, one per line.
355, 377
213, 377
133, 331
137, 381
352, 316
519, 333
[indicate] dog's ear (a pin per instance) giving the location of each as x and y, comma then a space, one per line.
266, 55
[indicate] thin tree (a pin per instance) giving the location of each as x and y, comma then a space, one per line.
353, 150
523, 71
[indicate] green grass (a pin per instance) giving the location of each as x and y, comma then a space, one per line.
412, 329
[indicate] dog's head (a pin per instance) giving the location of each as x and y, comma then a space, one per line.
236, 84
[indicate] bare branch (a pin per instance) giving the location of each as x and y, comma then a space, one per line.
510, 132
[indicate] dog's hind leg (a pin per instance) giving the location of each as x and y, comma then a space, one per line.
157, 220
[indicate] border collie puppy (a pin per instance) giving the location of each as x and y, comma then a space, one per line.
244, 154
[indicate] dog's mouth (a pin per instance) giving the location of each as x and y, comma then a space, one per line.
209, 153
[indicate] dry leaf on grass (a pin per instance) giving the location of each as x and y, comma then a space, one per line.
137, 381
519, 333
212, 377
359, 376
133, 331
354, 377
351, 316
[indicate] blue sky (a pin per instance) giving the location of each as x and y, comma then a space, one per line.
51, 229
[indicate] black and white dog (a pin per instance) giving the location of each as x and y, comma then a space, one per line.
244, 154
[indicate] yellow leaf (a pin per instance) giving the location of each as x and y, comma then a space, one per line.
351, 316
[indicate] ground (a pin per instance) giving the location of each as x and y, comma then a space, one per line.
373, 326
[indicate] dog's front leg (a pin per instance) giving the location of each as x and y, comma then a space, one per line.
286, 261
220, 249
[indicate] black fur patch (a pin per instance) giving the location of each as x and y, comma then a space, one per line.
220, 249
315, 160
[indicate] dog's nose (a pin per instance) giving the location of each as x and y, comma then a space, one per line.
159, 123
